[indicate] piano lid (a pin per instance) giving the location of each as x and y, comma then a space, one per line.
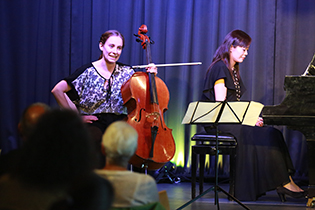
310, 70
297, 110
299, 99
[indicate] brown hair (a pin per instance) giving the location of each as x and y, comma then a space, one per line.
108, 34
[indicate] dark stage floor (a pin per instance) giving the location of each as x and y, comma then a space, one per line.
180, 193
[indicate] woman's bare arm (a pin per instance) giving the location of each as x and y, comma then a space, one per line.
220, 92
59, 92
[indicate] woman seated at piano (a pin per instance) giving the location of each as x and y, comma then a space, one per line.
263, 162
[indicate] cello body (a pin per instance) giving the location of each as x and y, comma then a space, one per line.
156, 144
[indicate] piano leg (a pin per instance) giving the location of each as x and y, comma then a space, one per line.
311, 172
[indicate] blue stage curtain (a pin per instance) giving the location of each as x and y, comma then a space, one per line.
44, 41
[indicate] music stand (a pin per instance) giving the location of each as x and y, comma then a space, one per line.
237, 112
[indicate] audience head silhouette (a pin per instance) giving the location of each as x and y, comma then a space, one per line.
26, 126
120, 142
56, 152
30, 117
132, 189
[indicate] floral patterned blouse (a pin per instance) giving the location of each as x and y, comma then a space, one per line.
93, 94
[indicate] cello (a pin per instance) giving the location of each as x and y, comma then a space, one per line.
146, 97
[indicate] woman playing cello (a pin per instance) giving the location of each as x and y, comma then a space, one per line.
94, 89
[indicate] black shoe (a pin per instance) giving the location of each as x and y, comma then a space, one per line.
282, 191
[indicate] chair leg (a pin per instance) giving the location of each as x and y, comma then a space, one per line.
232, 172
193, 173
202, 158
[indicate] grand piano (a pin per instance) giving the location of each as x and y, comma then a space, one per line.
297, 112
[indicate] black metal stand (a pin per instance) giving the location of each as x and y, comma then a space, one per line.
216, 188
165, 173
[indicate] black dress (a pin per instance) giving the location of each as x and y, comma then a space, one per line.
262, 158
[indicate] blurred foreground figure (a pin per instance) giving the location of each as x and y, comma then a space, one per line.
26, 126
132, 189
56, 160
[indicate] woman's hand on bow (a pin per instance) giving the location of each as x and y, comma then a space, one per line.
152, 68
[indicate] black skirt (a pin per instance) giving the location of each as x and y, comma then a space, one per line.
263, 161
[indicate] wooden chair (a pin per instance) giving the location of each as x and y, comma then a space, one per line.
164, 199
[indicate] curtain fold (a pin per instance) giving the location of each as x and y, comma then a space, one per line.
34, 51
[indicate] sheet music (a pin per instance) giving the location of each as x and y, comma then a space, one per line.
241, 112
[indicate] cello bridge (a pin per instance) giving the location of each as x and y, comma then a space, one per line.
154, 116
